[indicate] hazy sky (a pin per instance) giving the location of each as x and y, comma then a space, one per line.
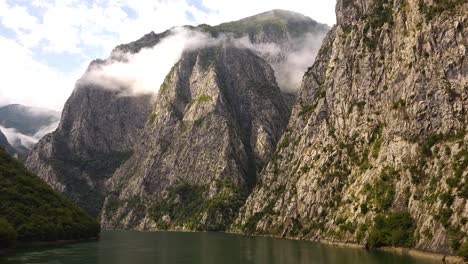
45, 45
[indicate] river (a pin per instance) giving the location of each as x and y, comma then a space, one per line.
132, 247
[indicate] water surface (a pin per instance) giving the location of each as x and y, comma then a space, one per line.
116, 247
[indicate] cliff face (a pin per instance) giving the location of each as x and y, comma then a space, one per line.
376, 148
94, 136
215, 122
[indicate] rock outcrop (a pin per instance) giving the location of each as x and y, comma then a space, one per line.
96, 133
376, 148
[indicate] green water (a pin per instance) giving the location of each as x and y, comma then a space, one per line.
208, 248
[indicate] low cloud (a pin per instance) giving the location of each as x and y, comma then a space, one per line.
16, 139
145, 71
20, 140
46, 130
291, 61
289, 72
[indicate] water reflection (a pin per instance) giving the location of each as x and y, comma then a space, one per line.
122, 247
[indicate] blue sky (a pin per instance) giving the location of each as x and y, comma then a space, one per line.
46, 45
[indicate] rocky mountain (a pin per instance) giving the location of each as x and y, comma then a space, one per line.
202, 105
376, 148
31, 211
214, 124
96, 133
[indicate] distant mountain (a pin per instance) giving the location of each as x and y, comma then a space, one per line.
31, 211
23, 125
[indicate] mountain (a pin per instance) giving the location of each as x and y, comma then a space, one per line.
31, 211
27, 120
103, 127
376, 147
25, 125
214, 124
95, 135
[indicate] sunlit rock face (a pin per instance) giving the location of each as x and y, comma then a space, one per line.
215, 122
378, 133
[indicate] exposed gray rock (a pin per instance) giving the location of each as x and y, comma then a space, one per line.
379, 126
95, 135
215, 122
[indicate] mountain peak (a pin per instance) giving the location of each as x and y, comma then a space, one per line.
282, 14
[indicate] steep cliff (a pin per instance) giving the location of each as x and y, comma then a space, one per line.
376, 148
215, 122
94, 136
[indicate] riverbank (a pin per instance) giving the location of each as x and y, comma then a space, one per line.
449, 259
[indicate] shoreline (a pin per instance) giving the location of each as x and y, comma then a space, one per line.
443, 258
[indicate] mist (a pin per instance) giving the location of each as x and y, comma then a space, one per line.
145, 71
17, 139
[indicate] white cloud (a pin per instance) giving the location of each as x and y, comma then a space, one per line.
29, 82
16, 139
145, 71
46, 130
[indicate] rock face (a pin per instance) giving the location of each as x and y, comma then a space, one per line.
95, 135
377, 135
215, 122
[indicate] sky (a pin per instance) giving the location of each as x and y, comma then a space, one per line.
46, 45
